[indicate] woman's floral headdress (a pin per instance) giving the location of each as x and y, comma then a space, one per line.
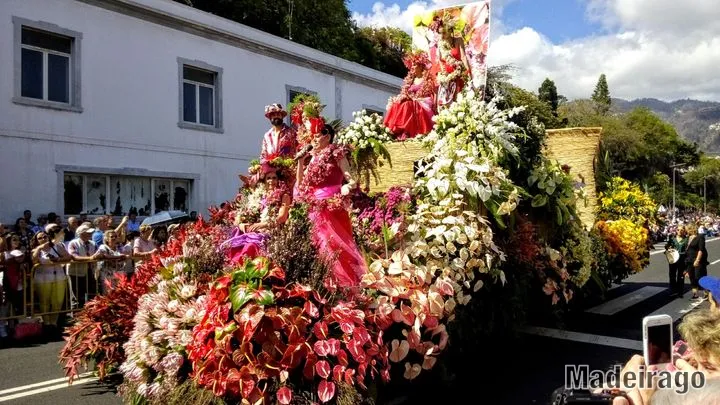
304, 105
414, 59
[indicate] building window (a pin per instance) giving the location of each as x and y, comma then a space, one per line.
146, 195
292, 92
200, 96
371, 109
47, 65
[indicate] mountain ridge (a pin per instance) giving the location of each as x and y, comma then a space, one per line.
691, 118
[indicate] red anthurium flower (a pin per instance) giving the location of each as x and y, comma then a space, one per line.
284, 395
311, 309
338, 373
333, 347
326, 391
361, 335
343, 358
322, 348
322, 368
347, 327
320, 330
349, 373
356, 350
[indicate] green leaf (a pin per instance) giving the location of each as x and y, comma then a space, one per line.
239, 296
539, 200
264, 297
532, 179
559, 214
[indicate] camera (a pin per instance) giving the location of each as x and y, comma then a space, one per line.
563, 396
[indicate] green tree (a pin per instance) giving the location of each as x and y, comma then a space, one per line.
601, 95
383, 49
534, 106
548, 93
332, 31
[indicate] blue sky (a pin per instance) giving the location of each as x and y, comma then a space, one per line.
667, 49
559, 20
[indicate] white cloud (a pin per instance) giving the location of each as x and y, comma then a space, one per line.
652, 48
383, 15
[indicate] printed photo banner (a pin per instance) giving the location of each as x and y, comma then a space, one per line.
456, 40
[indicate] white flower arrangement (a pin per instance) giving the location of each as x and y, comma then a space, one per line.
470, 141
366, 137
364, 131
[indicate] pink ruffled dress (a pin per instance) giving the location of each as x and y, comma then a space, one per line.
332, 228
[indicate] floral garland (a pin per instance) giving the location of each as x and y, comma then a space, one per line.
453, 68
322, 166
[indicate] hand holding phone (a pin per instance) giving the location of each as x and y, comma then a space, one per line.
658, 341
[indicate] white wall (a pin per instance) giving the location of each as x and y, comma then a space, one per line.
130, 100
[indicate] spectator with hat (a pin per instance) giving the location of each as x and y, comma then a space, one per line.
83, 251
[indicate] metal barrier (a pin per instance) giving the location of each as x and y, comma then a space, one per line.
72, 302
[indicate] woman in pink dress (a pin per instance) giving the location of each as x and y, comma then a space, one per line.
324, 180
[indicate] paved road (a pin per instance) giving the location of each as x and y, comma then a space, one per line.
603, 336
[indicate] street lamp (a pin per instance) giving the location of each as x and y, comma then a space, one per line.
674, 168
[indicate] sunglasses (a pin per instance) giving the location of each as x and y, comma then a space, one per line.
326, 131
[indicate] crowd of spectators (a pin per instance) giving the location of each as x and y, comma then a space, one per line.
708, 225
74, 260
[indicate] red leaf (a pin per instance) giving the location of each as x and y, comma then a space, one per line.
309, 369
284, 395
299, 290
322, 368
311, 309
247, 385
277, 273
321, 330
293, 356
326, 391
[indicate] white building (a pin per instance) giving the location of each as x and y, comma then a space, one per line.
112, 104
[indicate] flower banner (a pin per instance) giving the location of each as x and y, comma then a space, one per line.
457, 40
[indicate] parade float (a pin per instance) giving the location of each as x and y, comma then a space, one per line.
376, 261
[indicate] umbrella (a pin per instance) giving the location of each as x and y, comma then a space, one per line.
166, 217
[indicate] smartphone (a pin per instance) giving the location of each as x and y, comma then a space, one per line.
658, 340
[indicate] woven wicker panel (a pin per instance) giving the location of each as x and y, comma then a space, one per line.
577, 148
403, 155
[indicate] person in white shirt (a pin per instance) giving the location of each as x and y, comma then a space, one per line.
83, 250
49, 278
114, 255
143, 247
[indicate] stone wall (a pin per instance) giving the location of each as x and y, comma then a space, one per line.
577, 148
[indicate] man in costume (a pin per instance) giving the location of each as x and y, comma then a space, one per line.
280, 140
